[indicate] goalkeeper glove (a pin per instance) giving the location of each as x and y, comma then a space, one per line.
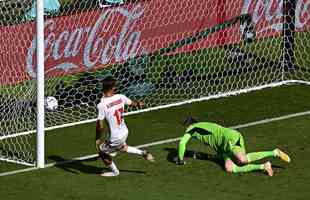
180, 162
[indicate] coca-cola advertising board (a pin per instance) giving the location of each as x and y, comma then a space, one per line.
98, 38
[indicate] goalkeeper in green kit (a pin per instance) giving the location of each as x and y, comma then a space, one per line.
229, 145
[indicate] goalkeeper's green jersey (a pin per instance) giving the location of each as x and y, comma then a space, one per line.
219, 138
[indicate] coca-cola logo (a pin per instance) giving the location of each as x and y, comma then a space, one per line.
271, 11
94, 45
98, 48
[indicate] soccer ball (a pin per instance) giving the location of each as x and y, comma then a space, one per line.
51, 103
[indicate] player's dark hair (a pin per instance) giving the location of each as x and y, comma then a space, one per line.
189, 121
108, 83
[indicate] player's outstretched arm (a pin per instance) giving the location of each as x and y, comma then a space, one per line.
137, 104
182, 148
131, 103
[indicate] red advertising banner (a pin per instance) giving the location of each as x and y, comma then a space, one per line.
98, 38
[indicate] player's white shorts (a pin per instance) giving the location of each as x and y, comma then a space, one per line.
111, 147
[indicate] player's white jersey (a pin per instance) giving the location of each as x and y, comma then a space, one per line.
112, 110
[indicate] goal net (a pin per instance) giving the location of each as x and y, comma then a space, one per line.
162, 52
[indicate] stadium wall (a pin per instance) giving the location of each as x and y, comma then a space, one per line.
101, 37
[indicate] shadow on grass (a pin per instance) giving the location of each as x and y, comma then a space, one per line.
189, 154
76, 167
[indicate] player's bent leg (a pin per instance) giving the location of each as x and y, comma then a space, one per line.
254, 156
240, 155
131, 150
106, 158
104, 154
231, 167
146, 155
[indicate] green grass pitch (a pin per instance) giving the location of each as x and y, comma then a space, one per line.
199, 178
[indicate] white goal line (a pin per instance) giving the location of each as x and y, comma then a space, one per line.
250, 124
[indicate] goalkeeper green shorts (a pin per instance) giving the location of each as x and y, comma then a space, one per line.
235, 145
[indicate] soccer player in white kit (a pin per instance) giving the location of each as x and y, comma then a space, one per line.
111, 119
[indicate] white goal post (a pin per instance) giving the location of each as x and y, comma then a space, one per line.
40, 146
160, 51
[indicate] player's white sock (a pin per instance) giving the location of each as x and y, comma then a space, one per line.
109, 174
113, 167
114, 171
134, 150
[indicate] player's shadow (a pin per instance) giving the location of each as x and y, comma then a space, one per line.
173, 154
76, 167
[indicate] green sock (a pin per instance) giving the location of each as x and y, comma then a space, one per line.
260, 155
247, 168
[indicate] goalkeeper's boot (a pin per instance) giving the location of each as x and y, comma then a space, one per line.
148, 156
268, 169
283, 156
110, 174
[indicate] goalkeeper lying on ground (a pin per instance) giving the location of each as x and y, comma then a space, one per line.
229, 145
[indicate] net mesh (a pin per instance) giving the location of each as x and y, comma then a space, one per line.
160, 51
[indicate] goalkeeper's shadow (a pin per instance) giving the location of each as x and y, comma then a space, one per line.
190, 154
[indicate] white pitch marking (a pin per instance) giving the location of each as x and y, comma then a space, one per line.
166, 106
264, 121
